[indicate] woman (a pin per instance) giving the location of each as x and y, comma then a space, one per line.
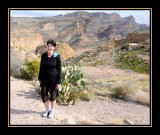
49, 77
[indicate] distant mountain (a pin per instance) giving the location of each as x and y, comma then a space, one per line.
77, 28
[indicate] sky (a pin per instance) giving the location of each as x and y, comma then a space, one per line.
141, 16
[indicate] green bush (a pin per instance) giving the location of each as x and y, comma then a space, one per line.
31, 71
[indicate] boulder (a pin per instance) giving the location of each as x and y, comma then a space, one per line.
17, 58
63, 49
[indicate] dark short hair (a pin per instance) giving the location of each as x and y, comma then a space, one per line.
52, 42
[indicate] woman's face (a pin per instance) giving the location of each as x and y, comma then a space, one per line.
50, 48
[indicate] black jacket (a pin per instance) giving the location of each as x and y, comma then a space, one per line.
50, 69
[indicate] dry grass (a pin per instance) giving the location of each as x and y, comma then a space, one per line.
88, 122
116, 122
126, 85
141, 97
134, 88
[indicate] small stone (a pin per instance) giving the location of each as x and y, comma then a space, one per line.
128, 122
68, 121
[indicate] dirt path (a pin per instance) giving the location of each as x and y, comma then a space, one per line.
25, 105
26, 108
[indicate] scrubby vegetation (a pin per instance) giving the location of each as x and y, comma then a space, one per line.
121, 91
128, 59
124, 87
31, 71
98, 63
125, 47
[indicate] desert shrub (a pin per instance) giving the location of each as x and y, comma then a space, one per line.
98, 63
126, 47
129, 60
139, 48
121, 91
31, 71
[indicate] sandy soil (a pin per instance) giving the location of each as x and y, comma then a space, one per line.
26, 108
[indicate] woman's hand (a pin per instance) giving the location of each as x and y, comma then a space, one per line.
58, 86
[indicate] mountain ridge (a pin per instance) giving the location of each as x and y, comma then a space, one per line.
78, 28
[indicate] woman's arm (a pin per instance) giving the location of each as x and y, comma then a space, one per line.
40, 70
59, 69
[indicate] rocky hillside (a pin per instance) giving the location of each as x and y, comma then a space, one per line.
77, 28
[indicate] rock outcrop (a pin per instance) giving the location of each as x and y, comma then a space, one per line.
137, 37
109, 34
29, 42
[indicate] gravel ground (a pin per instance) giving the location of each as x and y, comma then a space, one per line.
26, 108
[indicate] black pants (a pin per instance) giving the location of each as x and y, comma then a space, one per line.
47, 86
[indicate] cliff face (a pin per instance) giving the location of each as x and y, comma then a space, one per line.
27, 43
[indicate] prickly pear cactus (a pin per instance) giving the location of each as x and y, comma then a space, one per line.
37, 87
73, 84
